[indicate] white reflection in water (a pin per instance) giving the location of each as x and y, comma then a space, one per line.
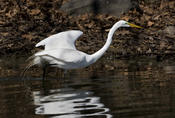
69, 103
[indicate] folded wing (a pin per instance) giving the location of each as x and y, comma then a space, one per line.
66, 55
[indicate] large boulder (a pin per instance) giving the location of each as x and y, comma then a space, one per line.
112, 7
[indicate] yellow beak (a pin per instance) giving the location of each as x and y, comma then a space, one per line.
133, 25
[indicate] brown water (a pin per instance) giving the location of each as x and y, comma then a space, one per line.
142, 88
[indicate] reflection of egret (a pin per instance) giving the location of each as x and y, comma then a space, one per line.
70, 104
60, 50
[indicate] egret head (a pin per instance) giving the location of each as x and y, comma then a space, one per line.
127, 24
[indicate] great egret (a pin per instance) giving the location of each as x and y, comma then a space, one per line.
61, 52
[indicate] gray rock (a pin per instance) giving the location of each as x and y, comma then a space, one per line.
170, 30
112, 7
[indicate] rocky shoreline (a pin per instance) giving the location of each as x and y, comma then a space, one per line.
24, 23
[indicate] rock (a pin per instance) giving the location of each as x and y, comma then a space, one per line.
112, 7
170, 30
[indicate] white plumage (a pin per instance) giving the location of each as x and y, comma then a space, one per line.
61, 40
60, 51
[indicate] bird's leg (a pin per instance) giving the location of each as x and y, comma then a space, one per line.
44, 77
44, 73
64, 74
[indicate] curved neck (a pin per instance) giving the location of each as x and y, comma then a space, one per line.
99, 53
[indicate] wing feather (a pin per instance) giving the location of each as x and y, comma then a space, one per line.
61, 40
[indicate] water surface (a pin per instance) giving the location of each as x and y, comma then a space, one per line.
139, 88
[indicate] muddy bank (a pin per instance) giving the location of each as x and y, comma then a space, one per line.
24, 23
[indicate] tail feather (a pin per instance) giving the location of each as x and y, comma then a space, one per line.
33, 60
30, 58
31, 63
39, 60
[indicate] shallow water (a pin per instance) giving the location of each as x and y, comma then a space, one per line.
143, 88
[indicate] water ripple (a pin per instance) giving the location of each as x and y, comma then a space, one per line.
69, 103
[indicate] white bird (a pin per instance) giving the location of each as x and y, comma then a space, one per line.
60, 51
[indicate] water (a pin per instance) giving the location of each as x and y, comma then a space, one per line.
139, 88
